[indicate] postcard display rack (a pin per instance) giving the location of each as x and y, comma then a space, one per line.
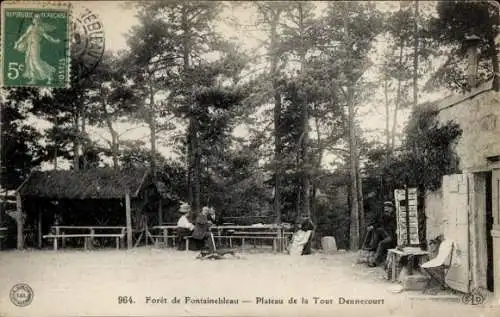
407, 222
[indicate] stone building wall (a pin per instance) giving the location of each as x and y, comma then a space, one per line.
435, 217
479, 118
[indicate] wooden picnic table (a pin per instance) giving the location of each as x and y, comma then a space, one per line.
90, 232
256, 232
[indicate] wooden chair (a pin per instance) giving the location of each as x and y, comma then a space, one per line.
440, 264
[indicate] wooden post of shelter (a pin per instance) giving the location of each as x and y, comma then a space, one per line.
129, 221
20, 222
1, 222
39, 228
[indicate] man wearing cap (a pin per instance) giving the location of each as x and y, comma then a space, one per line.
383, 233
184, 226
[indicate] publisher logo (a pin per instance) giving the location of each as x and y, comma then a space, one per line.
473, 298
21, 295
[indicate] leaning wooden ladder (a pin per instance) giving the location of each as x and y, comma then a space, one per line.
144, 230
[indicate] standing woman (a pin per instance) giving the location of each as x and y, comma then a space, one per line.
201, 231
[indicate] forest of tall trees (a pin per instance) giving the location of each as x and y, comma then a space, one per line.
302, 98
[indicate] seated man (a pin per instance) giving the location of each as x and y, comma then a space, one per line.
184, 226
383, 233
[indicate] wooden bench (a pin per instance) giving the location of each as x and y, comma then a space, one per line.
276, 233
161, 239
257, 235
88, 237
3, 232
166, 233
250, 236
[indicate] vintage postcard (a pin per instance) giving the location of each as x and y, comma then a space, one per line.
250, 158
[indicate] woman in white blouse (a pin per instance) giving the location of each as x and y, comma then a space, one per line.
184, 226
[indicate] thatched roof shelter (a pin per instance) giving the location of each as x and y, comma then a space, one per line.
98, 183
100, 188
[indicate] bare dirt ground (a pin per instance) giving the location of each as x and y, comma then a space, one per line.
76, 282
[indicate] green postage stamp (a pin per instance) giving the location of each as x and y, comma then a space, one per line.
35, 45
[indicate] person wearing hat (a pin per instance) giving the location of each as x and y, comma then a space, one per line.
383, 233
184, 226
201, 232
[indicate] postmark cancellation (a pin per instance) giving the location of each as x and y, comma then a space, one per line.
35, 44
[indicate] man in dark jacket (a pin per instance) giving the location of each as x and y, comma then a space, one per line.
383, 233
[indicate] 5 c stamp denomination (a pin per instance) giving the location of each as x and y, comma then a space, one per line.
35, 45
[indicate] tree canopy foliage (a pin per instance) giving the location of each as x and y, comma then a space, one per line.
274, 131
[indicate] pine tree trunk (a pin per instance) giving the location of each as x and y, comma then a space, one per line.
415, 56
197, 172
315, 185
353, 153
277, 155
84, 145
354, 226
55, 157
298, 187
114, 136
20, 219
387, 119
193, 147
277, 116
359, 184
189, 162
152, 128
306, 186
398, 101
114, 144
76, 143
